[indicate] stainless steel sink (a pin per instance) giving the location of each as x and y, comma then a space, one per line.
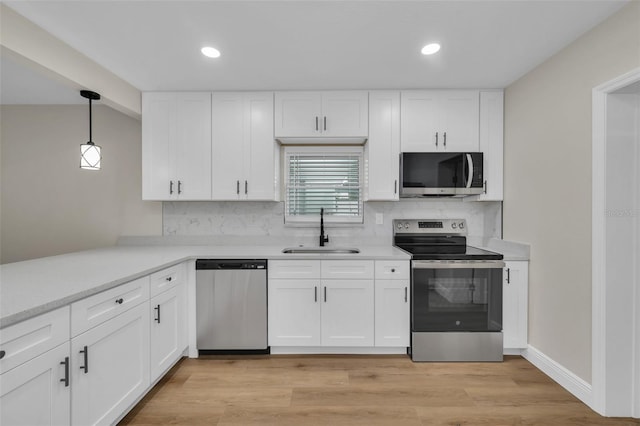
320, 250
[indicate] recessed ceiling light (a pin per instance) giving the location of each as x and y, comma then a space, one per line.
430, 49
210, 52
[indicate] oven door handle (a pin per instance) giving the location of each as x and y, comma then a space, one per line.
457, 264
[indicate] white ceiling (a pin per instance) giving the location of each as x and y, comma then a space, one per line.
155, 45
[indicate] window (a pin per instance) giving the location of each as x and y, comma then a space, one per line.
329, 178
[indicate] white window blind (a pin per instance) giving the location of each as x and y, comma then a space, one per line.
329, 179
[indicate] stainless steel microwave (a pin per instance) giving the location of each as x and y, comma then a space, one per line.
453, 174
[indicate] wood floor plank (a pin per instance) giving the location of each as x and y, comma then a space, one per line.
407, 396
334, 416
359, 390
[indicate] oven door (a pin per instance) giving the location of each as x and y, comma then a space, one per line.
456, 295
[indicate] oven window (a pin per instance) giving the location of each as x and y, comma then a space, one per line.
457, 300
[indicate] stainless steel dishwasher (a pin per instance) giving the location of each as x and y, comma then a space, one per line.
231, 306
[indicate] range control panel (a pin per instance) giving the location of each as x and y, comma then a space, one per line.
430, 226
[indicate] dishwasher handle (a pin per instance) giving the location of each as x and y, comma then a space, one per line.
218, 264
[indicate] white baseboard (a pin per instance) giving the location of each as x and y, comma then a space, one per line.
512, 351
565, 378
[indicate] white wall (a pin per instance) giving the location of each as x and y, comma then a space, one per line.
49, 205
548, 181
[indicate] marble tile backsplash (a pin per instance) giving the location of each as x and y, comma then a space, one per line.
266, 219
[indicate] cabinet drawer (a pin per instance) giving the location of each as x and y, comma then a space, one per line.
167, 278
347, 269
27, 339
89, 312
392, 269
294, 269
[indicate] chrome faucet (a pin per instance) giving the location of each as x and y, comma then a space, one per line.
323, 238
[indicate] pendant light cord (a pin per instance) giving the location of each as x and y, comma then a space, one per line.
90, 121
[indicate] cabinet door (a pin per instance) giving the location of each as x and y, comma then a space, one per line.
347, 313
294, 312
158, 126
515, 304
492, 144
192, 146
383, 146
419, 121
110, 367
260, 148
392, 313
35, 392
459, 120
345, 114
227, 146
298, 114
168, 330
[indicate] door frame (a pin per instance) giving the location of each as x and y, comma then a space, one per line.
600, 291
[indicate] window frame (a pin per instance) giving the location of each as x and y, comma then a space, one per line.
324, 151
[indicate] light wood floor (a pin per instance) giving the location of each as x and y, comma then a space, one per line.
359, 390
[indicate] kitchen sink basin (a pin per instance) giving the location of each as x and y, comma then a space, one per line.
320, 250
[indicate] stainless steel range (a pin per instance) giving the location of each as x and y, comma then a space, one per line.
456, 292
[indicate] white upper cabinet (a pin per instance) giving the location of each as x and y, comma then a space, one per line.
382, 150
439, 120
492, 144
339, 114
176, 146
243, 147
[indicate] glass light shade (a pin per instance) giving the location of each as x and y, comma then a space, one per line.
90, 156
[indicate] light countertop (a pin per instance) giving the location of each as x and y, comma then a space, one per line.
37, 286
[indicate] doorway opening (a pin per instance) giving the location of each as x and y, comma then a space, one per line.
616, 247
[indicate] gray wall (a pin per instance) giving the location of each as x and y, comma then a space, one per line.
49, 205
548, 181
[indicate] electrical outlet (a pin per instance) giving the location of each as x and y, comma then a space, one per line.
379, 219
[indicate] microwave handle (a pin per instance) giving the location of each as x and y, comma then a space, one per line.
470, 170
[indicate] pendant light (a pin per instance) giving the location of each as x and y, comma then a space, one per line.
89, 152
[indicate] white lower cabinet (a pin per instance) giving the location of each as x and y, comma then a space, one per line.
294, 312
392, 312
110, 367
347, 313
168, 330
337, 303
515, 303
37, 392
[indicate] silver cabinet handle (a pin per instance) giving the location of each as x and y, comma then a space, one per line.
508, 275
325, 123
169, 278
2, 354
246, 187
405, 295
436, 139
395, 186
445, 139
120, 301
170, 187
238, 187
317, 123
315, 293
65, 379
325, 294
85, 367
179, 187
